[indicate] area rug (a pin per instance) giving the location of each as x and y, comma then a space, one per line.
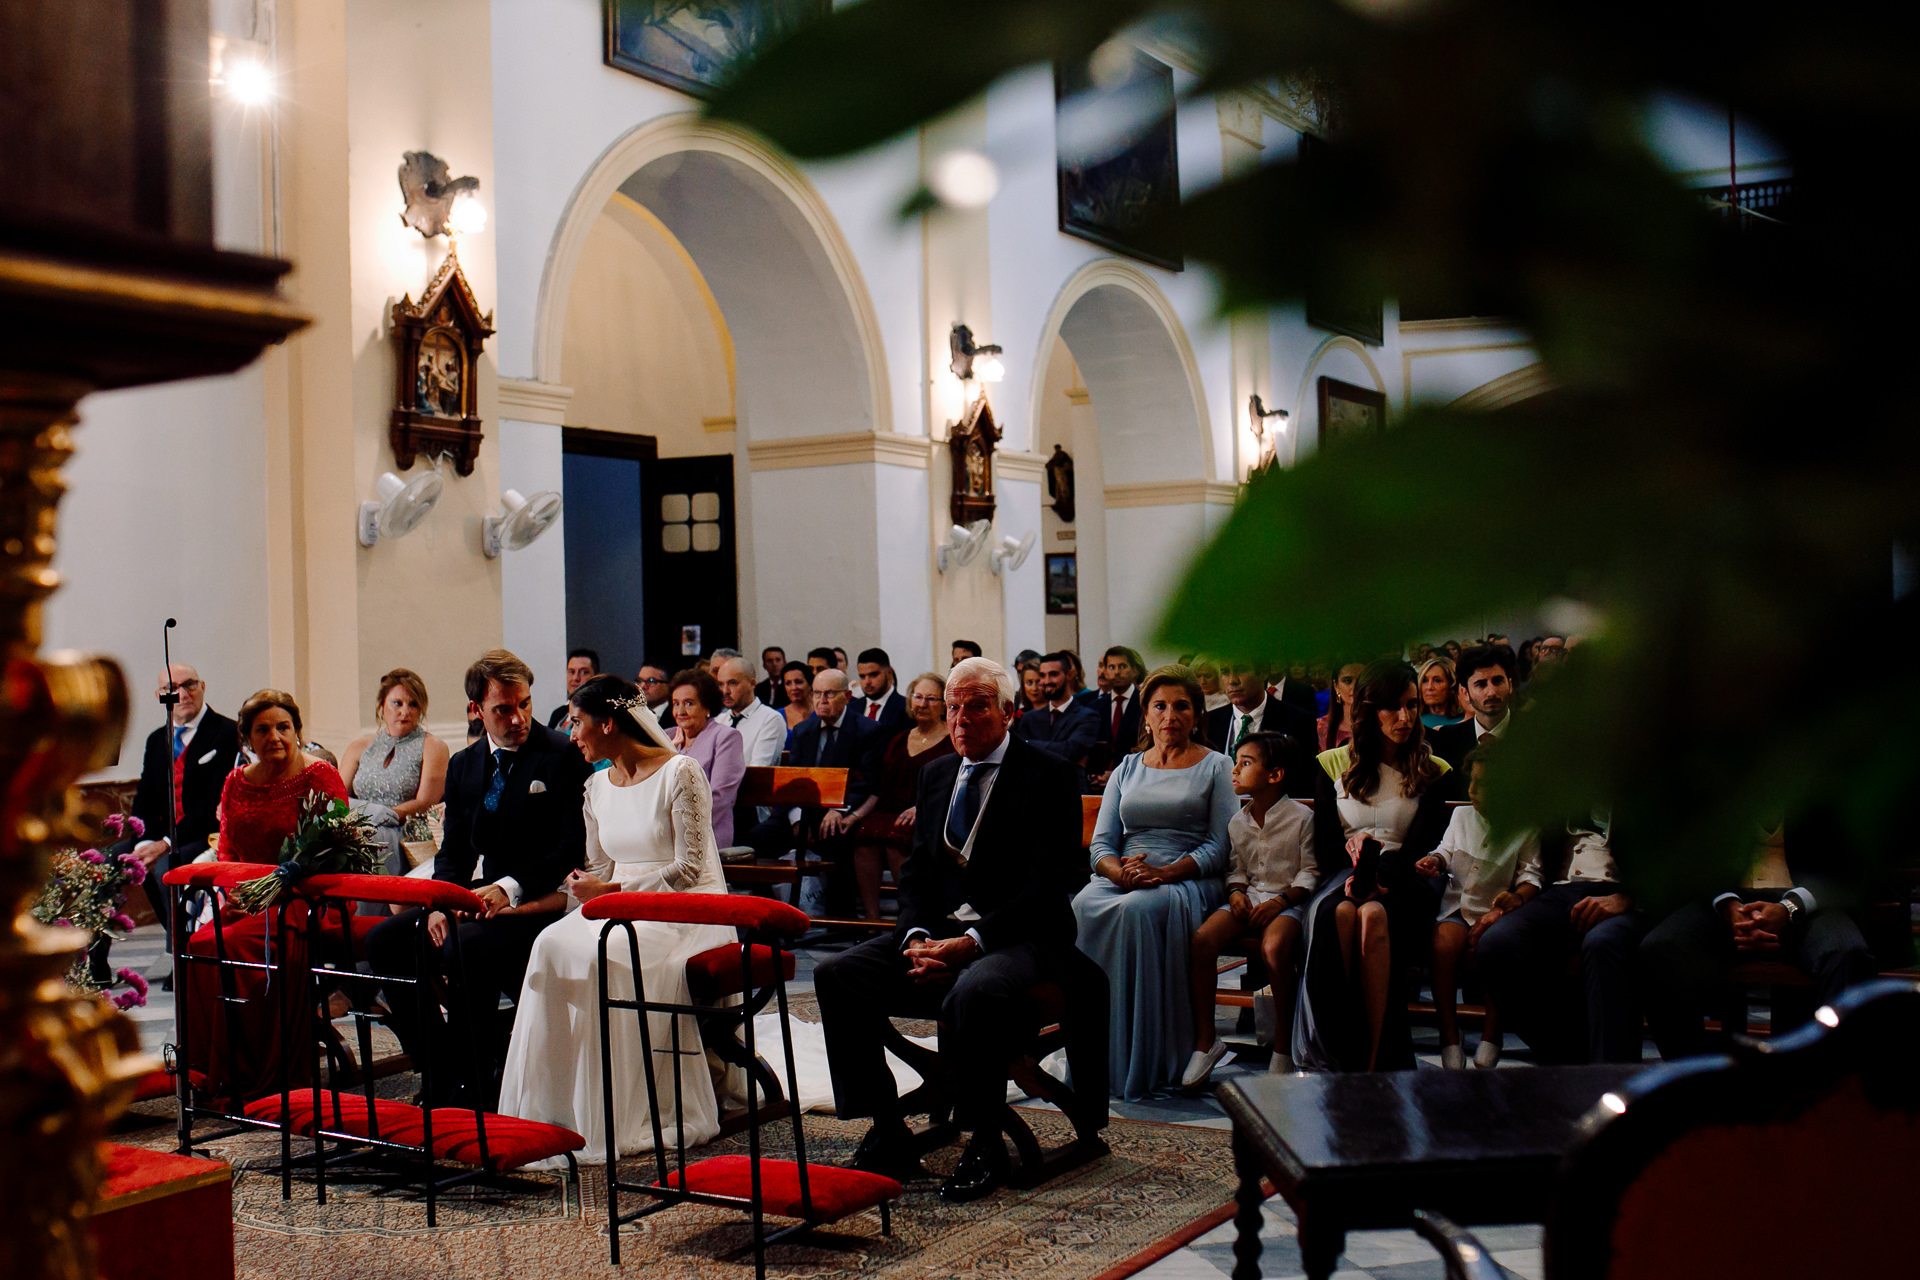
1103, 1220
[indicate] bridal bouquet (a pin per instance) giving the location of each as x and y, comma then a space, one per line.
88, 890
330, 840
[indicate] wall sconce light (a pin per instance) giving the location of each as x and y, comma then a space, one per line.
1012, 552
241, 72
520, 522
1265, 440
403, 505
965, 355
437, 204
1258, 412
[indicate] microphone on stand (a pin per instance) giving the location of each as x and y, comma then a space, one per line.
171, 699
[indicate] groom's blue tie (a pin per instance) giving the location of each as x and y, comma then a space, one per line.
491, 801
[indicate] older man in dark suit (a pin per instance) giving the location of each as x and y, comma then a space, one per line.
514, 829
985, 915
186, 764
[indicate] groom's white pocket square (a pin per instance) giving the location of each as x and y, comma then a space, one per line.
210, 755
535, 787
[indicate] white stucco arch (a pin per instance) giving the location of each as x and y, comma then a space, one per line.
769, 206
1140, 372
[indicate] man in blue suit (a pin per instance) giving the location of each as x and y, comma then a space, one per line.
1062, 727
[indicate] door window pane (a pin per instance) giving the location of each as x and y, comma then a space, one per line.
675, 508
706, 506
674, 538
706, 537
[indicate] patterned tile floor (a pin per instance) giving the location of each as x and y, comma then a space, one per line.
1370, 1255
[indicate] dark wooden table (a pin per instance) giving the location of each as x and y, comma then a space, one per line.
1362, 1152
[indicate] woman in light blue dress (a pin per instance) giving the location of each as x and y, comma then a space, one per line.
1159, 855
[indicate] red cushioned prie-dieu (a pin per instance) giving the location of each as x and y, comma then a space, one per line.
216, 875
437, 894
835, 1192
716, 972
738, 909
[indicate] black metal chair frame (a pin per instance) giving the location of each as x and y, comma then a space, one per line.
358, 1149
666, 1196
180, 1053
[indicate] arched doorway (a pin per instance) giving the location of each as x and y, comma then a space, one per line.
807, 362
1118, 387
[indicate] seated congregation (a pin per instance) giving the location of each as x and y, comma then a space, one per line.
1335, 837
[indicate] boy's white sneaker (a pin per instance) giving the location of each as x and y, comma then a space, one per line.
1452, 1058
1488, 1054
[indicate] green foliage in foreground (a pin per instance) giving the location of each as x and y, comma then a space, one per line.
1729, 457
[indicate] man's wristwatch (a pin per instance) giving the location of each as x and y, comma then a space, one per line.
1793, 908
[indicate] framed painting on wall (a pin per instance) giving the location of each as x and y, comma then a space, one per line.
1122, 199
1063, 582
693, 47
1349, 411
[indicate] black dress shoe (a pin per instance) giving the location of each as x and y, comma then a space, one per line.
887, 1150
982, 1170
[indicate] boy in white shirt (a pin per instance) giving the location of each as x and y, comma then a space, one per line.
1273, 873
1484, 882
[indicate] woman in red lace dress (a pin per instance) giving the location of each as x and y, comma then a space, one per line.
260, 806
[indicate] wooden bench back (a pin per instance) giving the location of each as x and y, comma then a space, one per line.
786, 786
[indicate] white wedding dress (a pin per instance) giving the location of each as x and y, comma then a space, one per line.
654, 836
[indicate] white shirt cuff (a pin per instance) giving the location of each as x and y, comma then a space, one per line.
1723, 898
911, 935
975, 935
1805, 895
511, 887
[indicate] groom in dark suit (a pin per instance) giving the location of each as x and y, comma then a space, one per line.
985, 915
514, 802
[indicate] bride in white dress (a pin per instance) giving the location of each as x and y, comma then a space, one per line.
649, 829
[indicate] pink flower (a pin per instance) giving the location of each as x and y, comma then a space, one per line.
121, 920
94, 856
135, 979
123, 824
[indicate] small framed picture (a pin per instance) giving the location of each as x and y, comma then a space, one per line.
1063, 582
690, 642
1347, 410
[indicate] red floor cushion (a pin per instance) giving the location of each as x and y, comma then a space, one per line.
835, 1192
716, 972
511, 1141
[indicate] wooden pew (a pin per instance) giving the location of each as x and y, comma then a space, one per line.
787, 787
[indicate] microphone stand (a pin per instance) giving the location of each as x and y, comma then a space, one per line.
175, 782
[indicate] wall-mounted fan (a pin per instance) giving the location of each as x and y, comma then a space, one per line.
522, 520
1012, 552
963, 544
403, 505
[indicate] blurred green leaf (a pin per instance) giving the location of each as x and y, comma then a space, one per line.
1730, 456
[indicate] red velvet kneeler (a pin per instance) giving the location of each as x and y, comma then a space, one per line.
161, 1216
